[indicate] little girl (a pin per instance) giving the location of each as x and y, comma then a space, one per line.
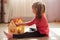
40, 21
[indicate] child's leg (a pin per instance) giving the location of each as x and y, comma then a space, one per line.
28, 35
25, 35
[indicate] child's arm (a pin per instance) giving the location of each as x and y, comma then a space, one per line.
27, 24
22, 24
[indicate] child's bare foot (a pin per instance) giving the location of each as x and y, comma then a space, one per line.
8, 35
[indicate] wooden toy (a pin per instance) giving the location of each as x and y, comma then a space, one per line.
13, 29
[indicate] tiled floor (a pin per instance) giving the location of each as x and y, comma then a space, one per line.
54, 32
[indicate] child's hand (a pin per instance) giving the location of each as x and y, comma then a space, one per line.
17, 24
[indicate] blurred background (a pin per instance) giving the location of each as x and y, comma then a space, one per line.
23, 9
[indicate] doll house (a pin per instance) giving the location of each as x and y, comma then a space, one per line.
13, 29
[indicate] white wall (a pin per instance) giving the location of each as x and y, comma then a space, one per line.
53, 8
22, 8
19, 8
59, 9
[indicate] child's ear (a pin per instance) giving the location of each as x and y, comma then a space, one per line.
36, 10
42, 11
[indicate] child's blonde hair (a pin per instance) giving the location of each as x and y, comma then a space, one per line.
40, 8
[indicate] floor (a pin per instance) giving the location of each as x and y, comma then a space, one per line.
53, 35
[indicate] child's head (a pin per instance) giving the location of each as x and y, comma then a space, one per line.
38, 9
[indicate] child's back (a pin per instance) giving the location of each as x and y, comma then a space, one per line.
42, 25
